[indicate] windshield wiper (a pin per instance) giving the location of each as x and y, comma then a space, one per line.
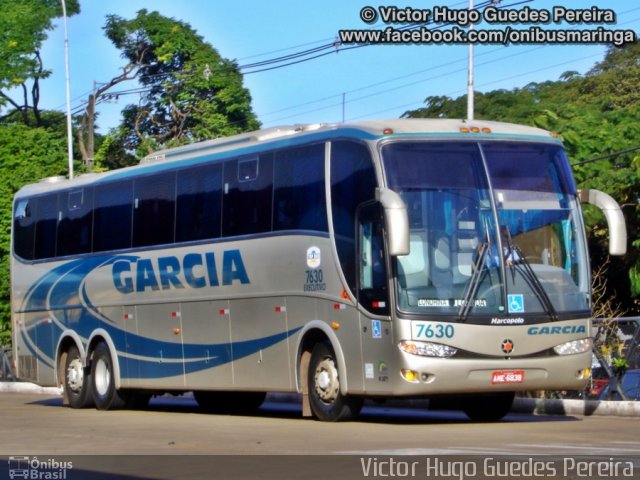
478, 268
523, 266
474, 282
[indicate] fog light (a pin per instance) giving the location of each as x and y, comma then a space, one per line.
573, 347
410, 375
582, 374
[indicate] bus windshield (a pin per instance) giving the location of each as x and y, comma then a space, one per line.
494, 231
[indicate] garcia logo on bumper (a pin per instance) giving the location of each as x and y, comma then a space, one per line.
564, 330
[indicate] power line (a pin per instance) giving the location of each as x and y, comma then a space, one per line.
314, 53
609, 156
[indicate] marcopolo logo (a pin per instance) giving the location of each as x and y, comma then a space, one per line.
194, 270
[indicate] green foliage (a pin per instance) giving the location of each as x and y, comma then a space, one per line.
192, 92
23, 29
596, 115
111, 154
28, 154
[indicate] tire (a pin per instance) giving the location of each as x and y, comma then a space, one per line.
237, 403
488, 408
327, 403
77, 380
105, 395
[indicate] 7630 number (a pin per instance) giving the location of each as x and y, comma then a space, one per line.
432, 330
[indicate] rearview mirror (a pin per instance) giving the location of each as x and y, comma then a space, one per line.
396, 221
613, 214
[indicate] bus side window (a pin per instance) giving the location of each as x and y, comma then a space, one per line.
112, 216
199, 203
23, 229
247, 195
353, 182
372, 291
46, 226
154, 210
74, 227
299, 193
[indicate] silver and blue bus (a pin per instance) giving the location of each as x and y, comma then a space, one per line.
406, 258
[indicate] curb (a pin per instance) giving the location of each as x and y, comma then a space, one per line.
25, 387
531, 406
580, 408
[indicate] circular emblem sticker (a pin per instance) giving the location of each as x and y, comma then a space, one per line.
507, 346
313, 257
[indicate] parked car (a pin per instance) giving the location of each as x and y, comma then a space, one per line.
630, 385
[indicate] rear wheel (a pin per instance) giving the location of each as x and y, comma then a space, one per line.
77, 381
488, 408
327, 403
105, 394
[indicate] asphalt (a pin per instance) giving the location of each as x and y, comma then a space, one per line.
520, 405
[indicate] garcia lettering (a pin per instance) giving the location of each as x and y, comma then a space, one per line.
193, 270
566, 329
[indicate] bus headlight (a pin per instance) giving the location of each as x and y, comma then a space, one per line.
573, 347
427, 349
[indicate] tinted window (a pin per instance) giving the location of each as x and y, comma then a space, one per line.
154, 210
299, 197
353, 182
199, 203
46, 224
24, 228
74, 228
112, 216
248, 192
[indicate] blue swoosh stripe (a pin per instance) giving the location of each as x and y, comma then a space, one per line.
61, 292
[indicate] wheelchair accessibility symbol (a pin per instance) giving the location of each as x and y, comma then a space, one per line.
516, 303
376, 328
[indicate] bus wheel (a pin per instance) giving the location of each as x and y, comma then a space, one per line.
105, 395
488, 408
327, 403
77, 381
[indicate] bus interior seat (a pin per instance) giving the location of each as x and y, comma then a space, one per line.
414, 267
441, 274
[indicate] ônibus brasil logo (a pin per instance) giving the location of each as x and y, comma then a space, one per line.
37, 469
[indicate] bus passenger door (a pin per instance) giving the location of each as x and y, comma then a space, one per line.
373, 297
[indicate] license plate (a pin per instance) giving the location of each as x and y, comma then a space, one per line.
507, 376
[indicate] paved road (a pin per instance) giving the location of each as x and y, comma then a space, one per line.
36, 425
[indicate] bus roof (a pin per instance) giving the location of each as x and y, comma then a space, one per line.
278, 137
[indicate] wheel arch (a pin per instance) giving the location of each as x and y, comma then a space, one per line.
67, 339
101, 335
312, 333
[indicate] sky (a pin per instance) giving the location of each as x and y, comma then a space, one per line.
372, 82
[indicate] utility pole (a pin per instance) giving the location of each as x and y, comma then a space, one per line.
470, 74
66, 65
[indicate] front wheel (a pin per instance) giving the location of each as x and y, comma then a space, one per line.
105, 394
327, 403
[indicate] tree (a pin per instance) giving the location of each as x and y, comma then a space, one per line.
27, 154
23, 27
189, 92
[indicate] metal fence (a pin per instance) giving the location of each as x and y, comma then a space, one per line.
617, 339
7, 372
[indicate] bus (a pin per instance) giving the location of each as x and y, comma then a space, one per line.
412, 258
